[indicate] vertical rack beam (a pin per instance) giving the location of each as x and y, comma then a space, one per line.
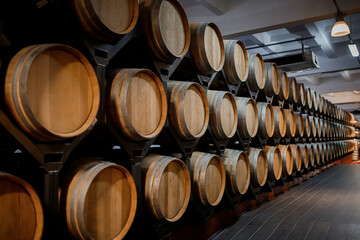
51, 204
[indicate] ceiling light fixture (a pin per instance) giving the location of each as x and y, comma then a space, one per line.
340, 27
353, 49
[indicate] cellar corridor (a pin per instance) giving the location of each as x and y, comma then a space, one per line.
324, 207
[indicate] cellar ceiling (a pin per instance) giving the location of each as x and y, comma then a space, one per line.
296, 26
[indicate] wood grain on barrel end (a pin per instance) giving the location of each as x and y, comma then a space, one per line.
21, 213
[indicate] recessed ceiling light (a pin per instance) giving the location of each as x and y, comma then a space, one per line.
353, 49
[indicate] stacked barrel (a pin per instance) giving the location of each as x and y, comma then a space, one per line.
212, 143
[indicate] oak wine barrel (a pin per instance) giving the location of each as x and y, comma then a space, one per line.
314, 100
308, 102
331, 153
300, 128
21, 213
311, 155
318, 127
207, 47
322, 153
237, 167
287, 160
293, 90
317, 154
256, 77
167, 186
258, 166
266, 120
280, 122
326, 152
313, 126
324, 103
98, 200
296, 153
52, 91
137, 103
304, 150
274, 160
328, 108
272, 80
247, 117
290, 123
302, 95
307, 125
188, 109
107, 20
223, 114
208, 178
284, 86
236, 66
165, 27
323, 127
320, 103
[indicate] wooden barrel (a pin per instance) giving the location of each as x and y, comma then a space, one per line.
258, 166
107, 20
332, 106
51, 91
21, 214
287, 160
328, 108
256, 77
208, 178
223, 114
316, 153
237, 167
314, 100
236, 66
302, 95
311, 155
322, 153
272, 80
296, 153
167, 186
290, 123
313, 126
326, 127
318, 127
320, 103
326, 152
207, 47
323, 127
188, 109
304, 150
274, 160
137, 103
247, 117
308, 102
324, 106
336, 112
266, 120
166, 28
307, 125
293, 91
332, 129
330, 149
300, 128
280, 122
99, 200
284, 86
